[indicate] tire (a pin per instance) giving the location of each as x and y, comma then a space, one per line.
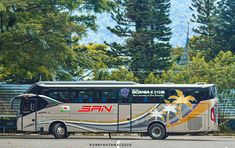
59, 131
165, 136
157, 131
66, 136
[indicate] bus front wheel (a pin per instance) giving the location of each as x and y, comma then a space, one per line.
157, 131
59, 131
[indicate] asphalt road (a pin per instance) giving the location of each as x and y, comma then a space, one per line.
36, 141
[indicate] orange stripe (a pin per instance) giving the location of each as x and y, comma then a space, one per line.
202, 107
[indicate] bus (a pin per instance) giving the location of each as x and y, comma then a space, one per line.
62, 108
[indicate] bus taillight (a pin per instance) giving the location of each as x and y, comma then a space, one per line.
213, 114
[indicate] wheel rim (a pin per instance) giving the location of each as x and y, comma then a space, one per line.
156, 132
61, 130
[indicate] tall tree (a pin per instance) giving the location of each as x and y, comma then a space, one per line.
144, 25
36, 36
225, 28
204, 16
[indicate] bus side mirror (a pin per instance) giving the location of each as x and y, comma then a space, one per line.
13, 100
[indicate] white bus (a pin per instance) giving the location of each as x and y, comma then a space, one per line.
155, 110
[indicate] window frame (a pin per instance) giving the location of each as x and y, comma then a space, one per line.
120, 99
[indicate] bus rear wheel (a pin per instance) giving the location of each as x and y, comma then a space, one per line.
59, 131
157, 131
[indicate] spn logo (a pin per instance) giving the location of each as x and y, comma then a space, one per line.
98, 108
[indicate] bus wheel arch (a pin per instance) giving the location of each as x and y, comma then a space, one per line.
157, 130
58, 129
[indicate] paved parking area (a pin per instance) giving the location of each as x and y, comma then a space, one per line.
78, 141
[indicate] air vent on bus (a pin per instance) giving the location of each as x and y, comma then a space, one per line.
194, 123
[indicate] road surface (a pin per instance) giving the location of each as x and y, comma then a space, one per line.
78, 141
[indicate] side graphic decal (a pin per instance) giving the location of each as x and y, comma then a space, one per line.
174, 112
65, 108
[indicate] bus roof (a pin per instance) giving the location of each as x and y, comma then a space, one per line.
113, 84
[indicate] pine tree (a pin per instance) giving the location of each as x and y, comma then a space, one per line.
225, 25
144, 25
204, 16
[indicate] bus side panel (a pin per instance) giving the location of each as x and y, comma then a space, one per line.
141, 117
29, 122
95, 117
196, 120
48, 115
42, 124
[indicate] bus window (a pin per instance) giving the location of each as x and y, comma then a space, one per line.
109, 96
41, 104
28, 107
213, 92
85, 96
97, 97
198, 93
60, 95
148, 99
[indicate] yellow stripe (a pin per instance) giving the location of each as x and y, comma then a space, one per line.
202, 107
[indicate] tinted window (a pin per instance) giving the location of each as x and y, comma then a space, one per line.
124, 95
94, 96
213, 92
97, 97
198, 93
28, 106
85, 96
41, 103
109, 96
159, 95
59, 95
81, 96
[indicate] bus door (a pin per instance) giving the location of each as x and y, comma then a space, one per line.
124, 117
29, 114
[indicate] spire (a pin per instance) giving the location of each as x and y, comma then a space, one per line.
185, 57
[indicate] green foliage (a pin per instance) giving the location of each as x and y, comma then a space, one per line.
122, 74
36, 37
152, 79
89, 59
223, 72
144, 24
225, 28
216, 27
102, 74
119, 74
204, 15
220, 71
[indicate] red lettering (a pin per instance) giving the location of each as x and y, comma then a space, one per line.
98, 108
95, 108
85, 109
108, 109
